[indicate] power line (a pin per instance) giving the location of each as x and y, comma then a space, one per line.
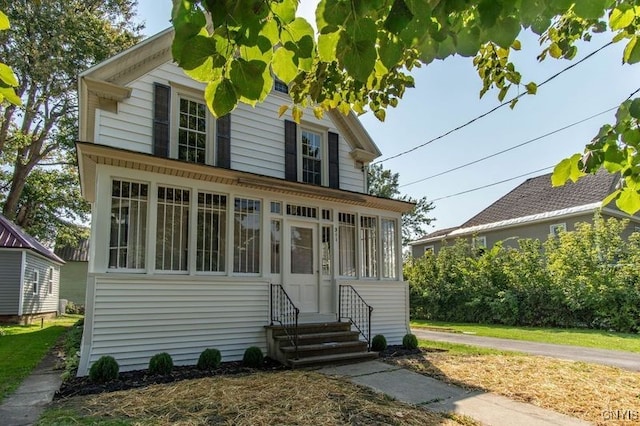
491, 184
473, 120
509, 149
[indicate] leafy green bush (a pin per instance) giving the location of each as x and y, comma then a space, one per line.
71, 349
209, 359
104, 370
73, 308
253, 357
161, 363
378, 343
410, 341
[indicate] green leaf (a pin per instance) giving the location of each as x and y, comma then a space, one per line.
7, 76
398, 18
296, 114
10, 95
620, 18
532, 88
489, 10
380, 114
285, 10
634, 108
390, 52
613, 158
468, 41
631, 54
332, 12
247, 78
516, 45
4, 21
282, 110
197, 51
221, 97
589, 9
555, 51
610, 198
565, 170
504, 32
327, 44
629, 201
283, 65
357, 49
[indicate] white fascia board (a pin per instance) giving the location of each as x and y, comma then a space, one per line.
531, 219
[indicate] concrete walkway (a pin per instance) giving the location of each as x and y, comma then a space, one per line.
626, 360
27, 403
416, 389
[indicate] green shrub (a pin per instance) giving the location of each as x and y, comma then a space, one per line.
253, 357
209, 359
72, 351
378, 343
160, 364
410, 341
104, 370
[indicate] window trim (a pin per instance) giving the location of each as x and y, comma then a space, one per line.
50, 281
478, 238
324, 152
193, 247
554, 226
430, 248
178, 92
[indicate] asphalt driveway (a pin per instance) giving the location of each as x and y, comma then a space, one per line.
626, 360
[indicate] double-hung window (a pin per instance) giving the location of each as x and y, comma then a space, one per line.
50, 281
192, 131
128, 225
246, 236
312, 157
388, 235
172, 231
212, 232
36, 281
347, 244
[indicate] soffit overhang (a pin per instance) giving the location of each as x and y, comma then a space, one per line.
91, 155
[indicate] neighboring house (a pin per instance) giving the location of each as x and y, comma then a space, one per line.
535, 209
29, 276
73, 274
194, 218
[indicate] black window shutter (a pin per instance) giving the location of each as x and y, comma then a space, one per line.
334, 162
290, 151
223, 141
161, 113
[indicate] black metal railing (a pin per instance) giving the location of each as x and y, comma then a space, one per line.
285, 313
351, 306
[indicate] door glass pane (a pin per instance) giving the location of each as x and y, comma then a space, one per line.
301, 250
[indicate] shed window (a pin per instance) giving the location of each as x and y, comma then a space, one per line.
35, 280
128, 225
50, 281
557, 228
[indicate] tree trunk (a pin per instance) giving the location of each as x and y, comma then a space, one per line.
10, 208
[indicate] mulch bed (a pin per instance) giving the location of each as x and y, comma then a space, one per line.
141, 378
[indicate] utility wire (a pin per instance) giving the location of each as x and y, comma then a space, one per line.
473, 120
491, 184
509, 149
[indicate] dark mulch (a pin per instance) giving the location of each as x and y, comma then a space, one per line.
141, 378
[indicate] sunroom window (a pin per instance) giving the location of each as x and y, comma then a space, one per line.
368, 247
246, 238
388, 235
128, 225
347, 244
212, 232
172, 229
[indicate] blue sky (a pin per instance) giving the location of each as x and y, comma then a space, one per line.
446, 96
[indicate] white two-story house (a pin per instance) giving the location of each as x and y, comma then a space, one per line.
197, 221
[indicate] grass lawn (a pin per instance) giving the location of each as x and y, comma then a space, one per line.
578, 337
22, 348
285, 397
577, 389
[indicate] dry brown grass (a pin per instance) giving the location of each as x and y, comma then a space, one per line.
574, 388
285, 398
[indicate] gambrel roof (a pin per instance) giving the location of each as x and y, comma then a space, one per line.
535, 200
12, 236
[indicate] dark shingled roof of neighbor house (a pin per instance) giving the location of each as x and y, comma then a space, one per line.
12, 236
536, 195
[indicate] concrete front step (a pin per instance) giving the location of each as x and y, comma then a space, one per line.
344, 358
328, 348
324, 327
314, 338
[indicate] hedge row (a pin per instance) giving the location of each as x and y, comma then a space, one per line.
586, 278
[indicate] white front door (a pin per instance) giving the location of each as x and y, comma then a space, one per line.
301, 265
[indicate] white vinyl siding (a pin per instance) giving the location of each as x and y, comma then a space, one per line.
257, 134
390, 301
135, 318
41, 301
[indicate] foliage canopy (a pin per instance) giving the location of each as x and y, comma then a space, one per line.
364, 50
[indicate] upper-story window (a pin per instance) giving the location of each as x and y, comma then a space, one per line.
312, 163
280, 86
192, 131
